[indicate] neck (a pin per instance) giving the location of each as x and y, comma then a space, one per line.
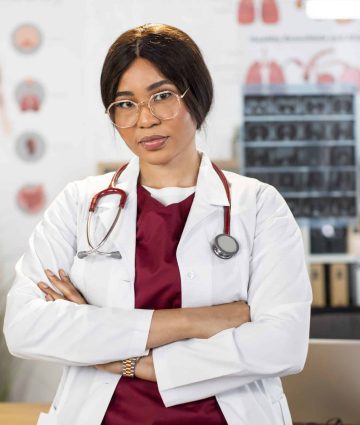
179, 173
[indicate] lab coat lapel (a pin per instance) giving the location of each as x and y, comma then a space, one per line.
123, 237
210, 195
126, 239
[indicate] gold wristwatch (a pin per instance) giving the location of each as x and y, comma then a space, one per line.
129, 367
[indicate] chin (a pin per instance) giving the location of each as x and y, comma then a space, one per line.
156, 159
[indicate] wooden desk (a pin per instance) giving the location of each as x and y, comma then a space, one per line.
21, 413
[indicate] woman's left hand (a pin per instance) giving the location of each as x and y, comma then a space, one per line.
64, 285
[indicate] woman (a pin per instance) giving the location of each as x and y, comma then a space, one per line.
162, 309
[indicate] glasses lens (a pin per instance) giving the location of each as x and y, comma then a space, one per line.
165, 105
123, 113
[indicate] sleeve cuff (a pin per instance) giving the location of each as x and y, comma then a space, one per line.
195, 360
141, 332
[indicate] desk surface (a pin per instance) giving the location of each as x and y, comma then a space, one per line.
21, 413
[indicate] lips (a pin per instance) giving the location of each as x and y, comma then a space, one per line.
151, 138
153, 142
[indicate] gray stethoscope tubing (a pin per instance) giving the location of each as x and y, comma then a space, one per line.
224, 245
95, 249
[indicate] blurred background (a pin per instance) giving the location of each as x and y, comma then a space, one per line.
285, 111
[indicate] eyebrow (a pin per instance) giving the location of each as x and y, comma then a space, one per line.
149, 88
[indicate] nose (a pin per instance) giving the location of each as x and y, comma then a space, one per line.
146, 118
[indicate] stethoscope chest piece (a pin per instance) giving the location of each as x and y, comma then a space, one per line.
225, 246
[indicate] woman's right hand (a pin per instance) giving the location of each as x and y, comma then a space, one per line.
208, 321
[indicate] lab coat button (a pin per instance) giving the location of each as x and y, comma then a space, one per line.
191, 275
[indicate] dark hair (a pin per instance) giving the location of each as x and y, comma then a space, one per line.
176, 56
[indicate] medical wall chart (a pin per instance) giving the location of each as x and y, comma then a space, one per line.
266, 11
297, 50
30, 146
42, 144
27, 38
31, 198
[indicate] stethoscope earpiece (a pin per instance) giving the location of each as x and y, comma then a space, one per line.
225, 246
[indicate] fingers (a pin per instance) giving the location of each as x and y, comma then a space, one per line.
64, 285
49, 297
60, 284
50, 294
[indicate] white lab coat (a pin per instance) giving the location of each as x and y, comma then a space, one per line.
240, 366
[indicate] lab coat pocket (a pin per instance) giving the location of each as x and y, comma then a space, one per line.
230, 277
107, 282
285, 412
76, 273
60, 390
120, 288
279, 402
277, 398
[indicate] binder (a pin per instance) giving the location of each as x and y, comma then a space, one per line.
353, 237
317, 277
355, 283
339, 285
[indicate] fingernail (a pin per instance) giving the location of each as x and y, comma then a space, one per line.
43, 286
47, 271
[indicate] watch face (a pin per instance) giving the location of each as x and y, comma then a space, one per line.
26, 38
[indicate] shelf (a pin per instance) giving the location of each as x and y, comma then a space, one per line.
328, 309
332, 258
298, 168
318, 222
305, 89
300, 118
318, 194
297, 143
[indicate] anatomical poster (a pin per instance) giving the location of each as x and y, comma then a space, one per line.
283, 46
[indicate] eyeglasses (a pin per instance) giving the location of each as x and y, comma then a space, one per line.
164, 105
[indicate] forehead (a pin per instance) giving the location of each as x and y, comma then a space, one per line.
140, 74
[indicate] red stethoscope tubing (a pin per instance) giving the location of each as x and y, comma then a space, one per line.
112, 190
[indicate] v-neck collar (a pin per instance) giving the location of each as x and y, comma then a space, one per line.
145, 195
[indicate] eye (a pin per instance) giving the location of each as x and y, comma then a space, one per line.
164, 95
125, 104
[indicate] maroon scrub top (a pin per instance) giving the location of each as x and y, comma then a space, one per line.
157, 286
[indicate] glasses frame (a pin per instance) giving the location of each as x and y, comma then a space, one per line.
147, 103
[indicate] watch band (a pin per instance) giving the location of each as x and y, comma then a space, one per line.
129, 367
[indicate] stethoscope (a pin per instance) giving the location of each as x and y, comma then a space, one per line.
224, 245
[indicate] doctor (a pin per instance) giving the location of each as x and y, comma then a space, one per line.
161, 320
